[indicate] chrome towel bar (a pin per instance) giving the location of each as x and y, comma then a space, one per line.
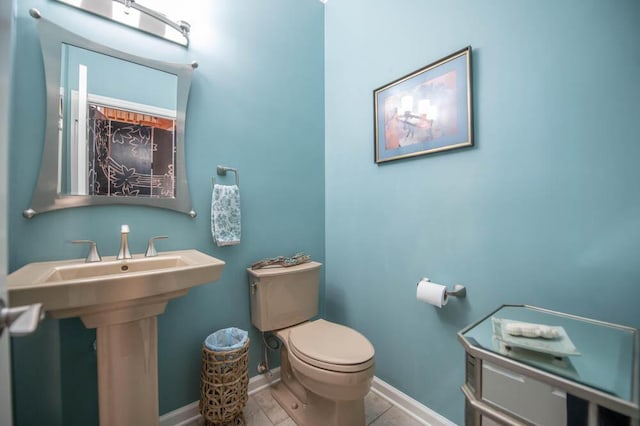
222, 171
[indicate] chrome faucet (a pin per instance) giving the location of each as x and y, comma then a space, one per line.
151, 249
124, 243
93, 255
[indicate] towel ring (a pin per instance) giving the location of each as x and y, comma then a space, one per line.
222, 171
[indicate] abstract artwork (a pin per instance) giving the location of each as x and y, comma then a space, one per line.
426, 111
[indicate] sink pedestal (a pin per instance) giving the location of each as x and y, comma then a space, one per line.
127, 373
127, 346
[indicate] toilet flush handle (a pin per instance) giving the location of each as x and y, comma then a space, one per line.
254, 287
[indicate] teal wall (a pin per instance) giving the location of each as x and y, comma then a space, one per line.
256, 104
544, 210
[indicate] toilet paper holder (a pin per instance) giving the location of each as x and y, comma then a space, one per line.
458, 289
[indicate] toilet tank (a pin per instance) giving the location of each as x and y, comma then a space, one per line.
282, 297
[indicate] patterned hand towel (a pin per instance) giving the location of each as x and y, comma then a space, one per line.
225, 215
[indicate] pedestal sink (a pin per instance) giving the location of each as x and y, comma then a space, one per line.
121, 299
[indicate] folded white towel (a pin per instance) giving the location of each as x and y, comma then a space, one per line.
225, 215
527, 329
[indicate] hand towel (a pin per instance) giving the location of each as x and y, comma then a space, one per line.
225, 215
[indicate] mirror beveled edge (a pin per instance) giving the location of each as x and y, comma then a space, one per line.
45, 197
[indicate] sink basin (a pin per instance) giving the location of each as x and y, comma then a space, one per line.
71, 284
118, 269
121, 299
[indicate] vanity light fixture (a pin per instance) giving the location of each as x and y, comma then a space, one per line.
136, 15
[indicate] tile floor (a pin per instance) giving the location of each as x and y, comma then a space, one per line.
263, 410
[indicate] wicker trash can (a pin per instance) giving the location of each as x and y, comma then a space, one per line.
223, 384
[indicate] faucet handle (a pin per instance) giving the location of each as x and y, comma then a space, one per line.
93, 255
151, 249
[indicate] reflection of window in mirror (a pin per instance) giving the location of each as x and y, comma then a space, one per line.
115, 141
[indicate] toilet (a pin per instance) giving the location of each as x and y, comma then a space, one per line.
326, 368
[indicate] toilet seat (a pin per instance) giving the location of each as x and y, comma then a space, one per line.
331, 346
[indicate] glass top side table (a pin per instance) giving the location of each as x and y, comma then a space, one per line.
593, 360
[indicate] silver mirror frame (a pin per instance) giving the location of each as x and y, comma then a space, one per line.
45, 196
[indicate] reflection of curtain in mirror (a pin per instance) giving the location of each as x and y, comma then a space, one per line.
132, 154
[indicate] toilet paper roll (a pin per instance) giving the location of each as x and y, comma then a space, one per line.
432, 293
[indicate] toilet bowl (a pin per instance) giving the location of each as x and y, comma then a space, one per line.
326, 368
326, 371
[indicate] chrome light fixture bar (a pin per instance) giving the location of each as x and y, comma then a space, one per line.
138, 16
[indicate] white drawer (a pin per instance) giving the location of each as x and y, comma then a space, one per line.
523, 396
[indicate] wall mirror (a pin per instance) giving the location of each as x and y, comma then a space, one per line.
114, 127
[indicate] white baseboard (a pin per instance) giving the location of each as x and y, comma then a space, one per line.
410, 406
184, 416
189, 413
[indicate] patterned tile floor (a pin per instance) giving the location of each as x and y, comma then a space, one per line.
263, 410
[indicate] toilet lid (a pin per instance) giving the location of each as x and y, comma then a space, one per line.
331, 346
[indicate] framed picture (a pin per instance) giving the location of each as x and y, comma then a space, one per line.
426, 111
